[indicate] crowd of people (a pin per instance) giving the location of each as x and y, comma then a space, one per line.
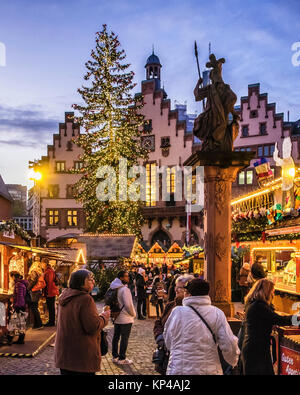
192, 336
42, 281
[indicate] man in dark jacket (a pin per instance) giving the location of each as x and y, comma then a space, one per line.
141, 294
257, 271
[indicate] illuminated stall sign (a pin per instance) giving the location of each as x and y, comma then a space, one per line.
289, 361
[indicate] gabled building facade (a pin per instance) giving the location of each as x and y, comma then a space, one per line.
54, 209
169, 139
260, 128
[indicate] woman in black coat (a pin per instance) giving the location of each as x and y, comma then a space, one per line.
260, 318
141, 294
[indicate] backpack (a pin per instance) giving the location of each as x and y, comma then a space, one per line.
41, 284
111, 300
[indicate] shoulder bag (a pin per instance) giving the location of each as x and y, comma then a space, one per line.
227, 369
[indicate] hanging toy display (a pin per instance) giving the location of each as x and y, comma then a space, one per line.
263, 171
271, 215
297, 198
278, 210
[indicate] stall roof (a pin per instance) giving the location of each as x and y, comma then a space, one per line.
66, 236
36, 250
108, 245
70, 255
144, 246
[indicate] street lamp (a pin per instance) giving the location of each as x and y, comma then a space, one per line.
35, 175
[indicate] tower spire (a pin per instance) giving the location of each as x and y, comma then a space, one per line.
153, 68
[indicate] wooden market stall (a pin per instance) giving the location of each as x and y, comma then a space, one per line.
17, 256
281, 260
70, 259
157, 255
267, 221
259, 223
193, 263
108, 249
139, 254
174, 253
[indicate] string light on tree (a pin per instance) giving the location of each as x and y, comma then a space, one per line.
112, 128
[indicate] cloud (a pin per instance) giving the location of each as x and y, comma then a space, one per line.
25, 127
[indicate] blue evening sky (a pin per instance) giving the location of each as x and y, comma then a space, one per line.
48, 42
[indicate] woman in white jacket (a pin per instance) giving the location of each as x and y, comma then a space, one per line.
193, 350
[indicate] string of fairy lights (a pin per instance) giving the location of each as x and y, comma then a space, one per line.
112, 126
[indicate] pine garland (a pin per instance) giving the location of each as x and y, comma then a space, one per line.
112, 123
286, 295
12, 226
250, 227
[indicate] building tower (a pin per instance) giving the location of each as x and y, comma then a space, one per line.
153, 69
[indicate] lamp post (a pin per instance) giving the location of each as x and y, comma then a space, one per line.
36, 176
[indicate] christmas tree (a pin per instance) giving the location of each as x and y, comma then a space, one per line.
111, 121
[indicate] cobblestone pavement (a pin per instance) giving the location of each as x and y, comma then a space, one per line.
140, 349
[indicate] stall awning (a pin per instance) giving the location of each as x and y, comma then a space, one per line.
36, 250
70, 256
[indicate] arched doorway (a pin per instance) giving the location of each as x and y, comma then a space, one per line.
162, 237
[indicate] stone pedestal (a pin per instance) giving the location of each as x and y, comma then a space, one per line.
220, 170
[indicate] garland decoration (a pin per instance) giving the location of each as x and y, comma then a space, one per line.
12, 226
